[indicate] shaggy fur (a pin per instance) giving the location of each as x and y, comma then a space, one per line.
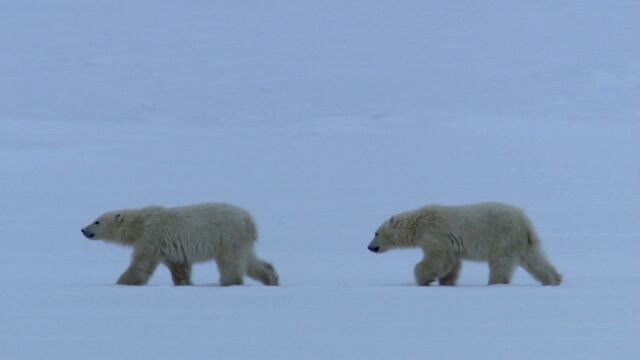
497, 233
181, 236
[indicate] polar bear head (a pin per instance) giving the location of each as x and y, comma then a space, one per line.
399, 231
108, 226
385, 237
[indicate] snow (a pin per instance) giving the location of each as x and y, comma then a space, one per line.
322, 118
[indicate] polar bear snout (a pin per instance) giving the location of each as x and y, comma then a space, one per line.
87, 233
376, 245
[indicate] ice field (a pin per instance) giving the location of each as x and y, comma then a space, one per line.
323, 119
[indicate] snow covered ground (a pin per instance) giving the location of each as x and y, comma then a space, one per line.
322, 118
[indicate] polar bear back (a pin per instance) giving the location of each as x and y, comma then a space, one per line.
476, 231
198, 232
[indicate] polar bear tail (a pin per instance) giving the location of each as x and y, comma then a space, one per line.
535, 262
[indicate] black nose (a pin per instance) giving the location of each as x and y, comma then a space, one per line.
87, 234
374, 248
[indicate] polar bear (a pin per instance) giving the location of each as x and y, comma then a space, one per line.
498, 233
181, 236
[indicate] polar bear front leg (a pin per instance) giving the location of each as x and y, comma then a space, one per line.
428, 270
140, 270
452, 277
436, 264
424, 273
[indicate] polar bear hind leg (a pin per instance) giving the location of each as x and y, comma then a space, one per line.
180, 273
501, 269
536, 264
231, 271
262, 271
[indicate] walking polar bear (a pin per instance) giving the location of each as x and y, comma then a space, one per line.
181, 236
498, 233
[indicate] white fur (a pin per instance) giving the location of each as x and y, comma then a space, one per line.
181, 236
498, 233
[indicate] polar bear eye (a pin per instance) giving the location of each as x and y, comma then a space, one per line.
97, 222
376, 233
